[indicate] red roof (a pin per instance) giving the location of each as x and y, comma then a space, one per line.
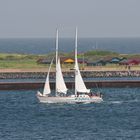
131, 62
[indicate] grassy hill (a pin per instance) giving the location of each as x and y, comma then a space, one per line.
29, 61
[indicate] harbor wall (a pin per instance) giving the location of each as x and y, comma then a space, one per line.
70, 85
86, 74
67, 74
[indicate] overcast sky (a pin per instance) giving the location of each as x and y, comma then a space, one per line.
94, 18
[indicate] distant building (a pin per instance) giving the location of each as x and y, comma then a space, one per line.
68, 61
43, 61
115, 60
130, 62
81, 60
97, 63
72, 60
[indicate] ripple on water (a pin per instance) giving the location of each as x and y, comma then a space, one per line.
23, 117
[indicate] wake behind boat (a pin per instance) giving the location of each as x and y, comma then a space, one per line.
81, 95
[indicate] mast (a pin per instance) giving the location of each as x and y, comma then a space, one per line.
56, 58
75, 60
79, 83
56, 46
60, 86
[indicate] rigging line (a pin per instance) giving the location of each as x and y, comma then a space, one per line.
97, 86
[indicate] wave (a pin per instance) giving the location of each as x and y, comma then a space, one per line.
124, 101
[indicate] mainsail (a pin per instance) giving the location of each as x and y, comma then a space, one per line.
79, 83
47, 89
60, 84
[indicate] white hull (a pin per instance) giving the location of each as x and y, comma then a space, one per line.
70, 99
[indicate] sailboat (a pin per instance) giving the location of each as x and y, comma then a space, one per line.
81, 94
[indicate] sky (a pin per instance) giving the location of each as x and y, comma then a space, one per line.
94, 18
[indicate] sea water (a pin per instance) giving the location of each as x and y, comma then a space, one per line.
71, 79
22, 117
47, 45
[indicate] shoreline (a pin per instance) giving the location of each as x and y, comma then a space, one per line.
18, 74
64, 69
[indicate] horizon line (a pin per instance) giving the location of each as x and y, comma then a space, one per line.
68, 37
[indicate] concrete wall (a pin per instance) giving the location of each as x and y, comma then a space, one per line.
70, 85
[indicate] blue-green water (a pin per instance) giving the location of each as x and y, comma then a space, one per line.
72, 79
47, 45
22, 117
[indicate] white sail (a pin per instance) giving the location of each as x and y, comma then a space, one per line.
60, 84
79, 83
47, 89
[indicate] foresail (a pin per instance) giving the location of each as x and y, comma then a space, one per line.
60, 84
80, 85
47, 89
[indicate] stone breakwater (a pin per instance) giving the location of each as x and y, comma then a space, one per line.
85, 74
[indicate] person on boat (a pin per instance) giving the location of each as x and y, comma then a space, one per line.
90, 94
99, 94
77, 94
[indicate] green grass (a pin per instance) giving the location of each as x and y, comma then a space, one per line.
20, 64
19, 61
30, 61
